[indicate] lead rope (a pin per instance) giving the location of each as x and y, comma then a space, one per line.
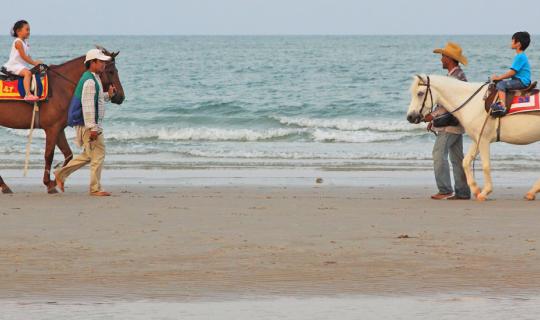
29, 143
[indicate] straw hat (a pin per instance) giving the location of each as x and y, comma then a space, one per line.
454, 51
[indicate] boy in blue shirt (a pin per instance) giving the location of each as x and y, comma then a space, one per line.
519, 75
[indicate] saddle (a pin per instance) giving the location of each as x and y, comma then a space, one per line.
5, 75
12, 88
491, 94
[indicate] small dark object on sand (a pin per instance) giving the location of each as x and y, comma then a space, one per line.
319, 180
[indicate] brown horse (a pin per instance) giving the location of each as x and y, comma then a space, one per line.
53, 112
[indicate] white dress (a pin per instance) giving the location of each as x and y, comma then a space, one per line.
16, 63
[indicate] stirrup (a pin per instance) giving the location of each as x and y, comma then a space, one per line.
31, 98
497, 110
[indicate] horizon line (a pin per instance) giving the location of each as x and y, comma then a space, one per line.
265, 35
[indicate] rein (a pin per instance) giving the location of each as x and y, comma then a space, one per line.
46, 67
471, 97
428, 85
61, 76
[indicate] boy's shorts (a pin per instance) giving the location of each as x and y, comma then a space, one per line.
511, 84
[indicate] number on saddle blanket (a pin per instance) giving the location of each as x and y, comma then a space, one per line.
13, 90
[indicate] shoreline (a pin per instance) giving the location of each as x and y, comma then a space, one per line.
344, 307
270, 176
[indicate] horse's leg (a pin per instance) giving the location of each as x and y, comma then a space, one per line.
486, 167
467, 167
50, 144
63, 145
4, 187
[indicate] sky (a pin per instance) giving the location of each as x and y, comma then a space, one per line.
273, 17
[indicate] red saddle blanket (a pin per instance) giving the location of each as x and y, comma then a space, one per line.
13, 90
525, 104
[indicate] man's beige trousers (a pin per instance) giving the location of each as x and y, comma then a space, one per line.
93, 154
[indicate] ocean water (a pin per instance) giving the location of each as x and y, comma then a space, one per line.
459, 307
270, 101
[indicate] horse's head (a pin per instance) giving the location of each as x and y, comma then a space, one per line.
110, 76
422, 99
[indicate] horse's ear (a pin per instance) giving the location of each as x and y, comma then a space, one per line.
105, 51
115, 54
422, 81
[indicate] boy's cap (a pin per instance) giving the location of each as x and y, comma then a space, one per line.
96, 54
454, 51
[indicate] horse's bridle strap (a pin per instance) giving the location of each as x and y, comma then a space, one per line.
428, 91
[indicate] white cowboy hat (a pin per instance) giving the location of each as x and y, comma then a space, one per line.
96, 54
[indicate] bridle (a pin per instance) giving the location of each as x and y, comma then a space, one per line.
109, 64
428, 91
47, 68
427, 84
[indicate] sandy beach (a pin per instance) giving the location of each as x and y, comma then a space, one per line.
184, 243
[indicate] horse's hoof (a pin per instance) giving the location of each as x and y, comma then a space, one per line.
530, 196
52, 191
481, 198
6, 190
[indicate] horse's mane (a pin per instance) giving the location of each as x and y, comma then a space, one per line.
446, 80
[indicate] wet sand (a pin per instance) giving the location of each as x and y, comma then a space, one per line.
188, 243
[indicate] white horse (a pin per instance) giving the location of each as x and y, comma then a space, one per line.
466, 102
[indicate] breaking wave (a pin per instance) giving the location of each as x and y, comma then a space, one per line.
351, 125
